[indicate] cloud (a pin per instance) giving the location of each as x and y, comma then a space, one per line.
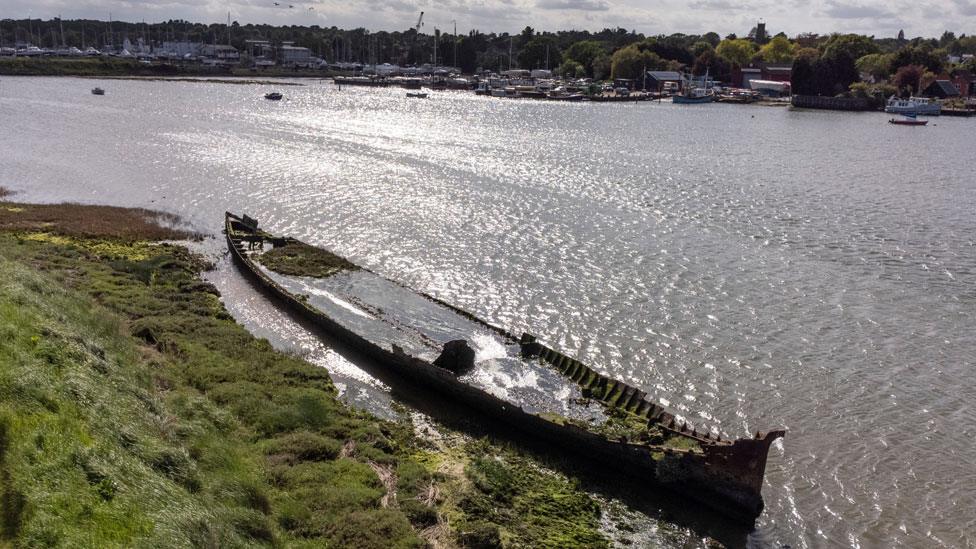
965, 7
720, 5
879, 17
839, 10
581, 5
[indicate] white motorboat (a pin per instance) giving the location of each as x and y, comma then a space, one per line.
913, 105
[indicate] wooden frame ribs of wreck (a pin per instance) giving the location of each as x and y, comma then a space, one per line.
726, 475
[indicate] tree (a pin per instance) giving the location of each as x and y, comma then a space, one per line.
778, 50
947, 39
920, 55
736, 51
855, 46
878, 65
823, 76
701, 47
602, 67
712, 38
628, 62
713, 64
571, 69
669, 47
810, 54
901, 35
909, 78
540, 52
585, 52
803, 79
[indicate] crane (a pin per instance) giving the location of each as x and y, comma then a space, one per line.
416, 36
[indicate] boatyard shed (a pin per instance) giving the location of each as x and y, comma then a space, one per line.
777, 72
941, 89
655, 80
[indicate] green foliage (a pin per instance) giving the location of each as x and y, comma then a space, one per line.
700, 47
716, 66
917, 55
878, 65
532, 506
736, 51
585, 52
824, 76
854, 46
375, 529
571, 69
777, 50
540, 52
192, 432
629, 62
876, 94
602, 67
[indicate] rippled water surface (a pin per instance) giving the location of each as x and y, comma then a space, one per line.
751, 267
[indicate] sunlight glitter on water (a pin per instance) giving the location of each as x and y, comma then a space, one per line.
821, 263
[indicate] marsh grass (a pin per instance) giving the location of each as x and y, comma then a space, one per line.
134, 412
80, 220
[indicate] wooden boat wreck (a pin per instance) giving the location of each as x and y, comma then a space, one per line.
453, 353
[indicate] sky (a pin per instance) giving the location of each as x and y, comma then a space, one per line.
882, 18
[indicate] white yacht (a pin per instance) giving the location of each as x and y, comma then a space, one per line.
913, 105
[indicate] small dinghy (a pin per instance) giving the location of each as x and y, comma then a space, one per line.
908, 120
98, 91
417, 95
273, 96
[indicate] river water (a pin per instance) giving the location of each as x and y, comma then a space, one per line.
751, 267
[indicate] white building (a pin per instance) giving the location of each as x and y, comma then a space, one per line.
179, 49
295, 55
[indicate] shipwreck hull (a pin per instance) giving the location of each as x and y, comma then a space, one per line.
724, 475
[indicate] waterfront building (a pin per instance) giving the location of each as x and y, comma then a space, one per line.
181, 49
941, 89
216, 54
292, 55
658, 80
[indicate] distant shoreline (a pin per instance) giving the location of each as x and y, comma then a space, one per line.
101, 67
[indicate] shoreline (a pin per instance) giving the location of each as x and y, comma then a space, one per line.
188, 358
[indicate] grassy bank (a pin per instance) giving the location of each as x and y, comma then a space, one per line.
135, 412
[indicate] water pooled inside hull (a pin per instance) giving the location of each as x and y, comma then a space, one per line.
388, 314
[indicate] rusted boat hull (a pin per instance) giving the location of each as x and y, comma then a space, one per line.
724, 475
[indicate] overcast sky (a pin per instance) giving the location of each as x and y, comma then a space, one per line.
879, 17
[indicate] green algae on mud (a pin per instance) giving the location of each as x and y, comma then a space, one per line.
135, 411
187, 427
300, 259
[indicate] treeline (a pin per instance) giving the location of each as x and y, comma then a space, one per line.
823, 64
